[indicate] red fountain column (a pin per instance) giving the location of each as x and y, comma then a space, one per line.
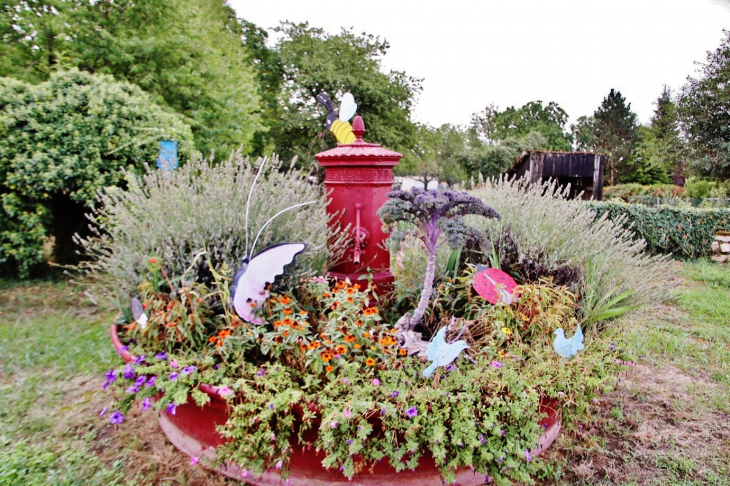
357, 177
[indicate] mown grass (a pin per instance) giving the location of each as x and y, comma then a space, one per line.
667, 423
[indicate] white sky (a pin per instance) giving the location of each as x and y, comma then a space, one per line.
510, 52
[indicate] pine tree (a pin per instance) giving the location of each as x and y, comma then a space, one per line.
665, 130
616, 131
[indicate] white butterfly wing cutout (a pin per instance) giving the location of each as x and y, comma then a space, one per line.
249, 283
348, 107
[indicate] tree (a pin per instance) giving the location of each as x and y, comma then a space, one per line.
548, 120
646, 164
434, 155
313, 61
615, 129
670, 148
60, 142
493, 160
584, 133
704, 114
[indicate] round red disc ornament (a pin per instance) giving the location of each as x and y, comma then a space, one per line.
495, 286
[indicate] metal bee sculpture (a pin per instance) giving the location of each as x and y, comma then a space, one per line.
339, 124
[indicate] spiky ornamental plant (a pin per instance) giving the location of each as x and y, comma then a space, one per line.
433, 213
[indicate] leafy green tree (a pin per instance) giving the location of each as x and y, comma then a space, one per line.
313, 61
60, 142
435, 155
646, 165
493, 160
615, 129
704, 113
547, 120
584, 134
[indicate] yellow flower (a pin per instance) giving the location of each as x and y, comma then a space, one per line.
507, 331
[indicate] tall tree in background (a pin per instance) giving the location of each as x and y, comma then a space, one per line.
704, 113
434, 156
311, 61
615, 128
547, 120
665, 130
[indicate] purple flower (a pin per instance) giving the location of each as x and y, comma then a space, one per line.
261, 372
244, 473
348, 414
132, 389
173, 376
151, 382
496, 364
629, 363
146, 404
140, 380
116, 418
171, 408
333, 424
128, 371
382, 411
320, 280
103, 410
487, 479
376, 382
560, 394
123, 349
173, 364
450, 367
271, 406
188, 370
595, 400
613, 347
111, 375
161, 356
527, 455
349, 441
224, 391
194, 460
139, 359
500, 459
394, 394
504, 433
345, 381
279, 464
411, 412
482, 439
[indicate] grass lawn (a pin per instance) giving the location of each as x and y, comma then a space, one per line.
668, 422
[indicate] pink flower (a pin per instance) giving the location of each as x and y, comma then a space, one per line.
333, 424
496, 364
348, 414
173, 364
376, 382
629, 363
194, 460
279, 464
345, 381
560, 394
244, 473
224, 391
320, 280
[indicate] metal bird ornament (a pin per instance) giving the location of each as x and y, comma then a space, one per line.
339, 125
567, 348
495, 285
441, 353
140, 317
252, 279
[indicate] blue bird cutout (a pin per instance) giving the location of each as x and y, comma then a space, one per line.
567, 348
441, 353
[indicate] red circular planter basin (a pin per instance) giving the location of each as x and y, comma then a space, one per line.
192, 429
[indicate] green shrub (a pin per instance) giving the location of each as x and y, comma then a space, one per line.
681, 232
198, 206
554, 232
60, 142
631, 192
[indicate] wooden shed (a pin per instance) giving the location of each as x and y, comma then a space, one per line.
582, 170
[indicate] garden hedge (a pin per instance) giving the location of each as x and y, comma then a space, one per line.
685, 233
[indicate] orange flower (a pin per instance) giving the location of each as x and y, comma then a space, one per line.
326, 295
303, 312
327, 341
219, 343
358, 323
350, 291
286, 321
285, 333
349, 300
357, 346
341, 349
285, 300
335, 305
212, 339
328, 368
315, 344
350, 339
288, 311
277, 323
366, 335
370, 311
393, 331
326, 356
402, 352
370, 362
153, 260
296, 325
384, 341
356, 286
372, 348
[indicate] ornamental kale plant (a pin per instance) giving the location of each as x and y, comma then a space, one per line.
433, 213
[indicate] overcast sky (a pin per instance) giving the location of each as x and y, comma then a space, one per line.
510, 52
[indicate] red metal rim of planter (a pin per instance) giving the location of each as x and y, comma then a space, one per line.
192, 429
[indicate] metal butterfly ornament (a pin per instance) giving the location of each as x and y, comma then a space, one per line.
256, 273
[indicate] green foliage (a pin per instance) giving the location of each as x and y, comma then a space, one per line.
187, 54
704, 113
202, 206
615, 132
683, 233
312, 61
60, 142
435, 155
493, 160
549, 121
547, 229
646, 165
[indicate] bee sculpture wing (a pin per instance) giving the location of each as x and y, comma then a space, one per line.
251, 279
348, 107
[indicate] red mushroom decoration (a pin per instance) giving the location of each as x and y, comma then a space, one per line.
495, 286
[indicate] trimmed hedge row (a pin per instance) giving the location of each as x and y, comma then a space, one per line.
685, 233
